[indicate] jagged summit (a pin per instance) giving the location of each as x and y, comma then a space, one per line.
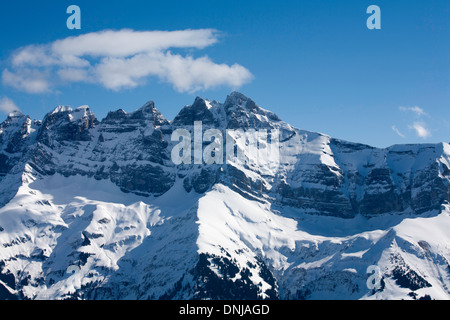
15, 114
198, 111
238, 111
61, 109
313, 171
239, 100
243, 112
146, 116
236, 105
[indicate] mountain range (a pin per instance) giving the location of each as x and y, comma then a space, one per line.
95, 209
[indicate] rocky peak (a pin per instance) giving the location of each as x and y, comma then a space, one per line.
146, 116
13, 130
16, 114
148, 112
64, 114
66, 124
198, 111
61, 109
115, 116
242, 112
13, 119
9, 121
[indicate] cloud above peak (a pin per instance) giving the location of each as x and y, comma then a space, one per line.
8, 106
421, 130
123, 59
418, 125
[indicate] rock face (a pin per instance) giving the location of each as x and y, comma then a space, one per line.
310, 176
316, 173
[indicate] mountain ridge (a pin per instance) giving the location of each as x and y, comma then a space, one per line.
105, 199
238, 112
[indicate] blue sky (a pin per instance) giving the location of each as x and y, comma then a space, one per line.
314, 63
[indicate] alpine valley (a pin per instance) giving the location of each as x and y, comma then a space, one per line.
95, 209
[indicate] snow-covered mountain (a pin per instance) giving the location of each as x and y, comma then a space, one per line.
99, 210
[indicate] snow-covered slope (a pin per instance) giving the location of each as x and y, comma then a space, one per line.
97, 210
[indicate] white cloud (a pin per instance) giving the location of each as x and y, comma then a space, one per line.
186, 74
394, 128
189, 74
123, 59
34, 55
421, 130
418, 126
416, 110
7, 105
125, 43
28, 80
74, 75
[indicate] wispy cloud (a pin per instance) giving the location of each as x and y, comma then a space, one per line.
416, 110
398, 132
28, 80
7, 105
416, 118
123, 59
421, 130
